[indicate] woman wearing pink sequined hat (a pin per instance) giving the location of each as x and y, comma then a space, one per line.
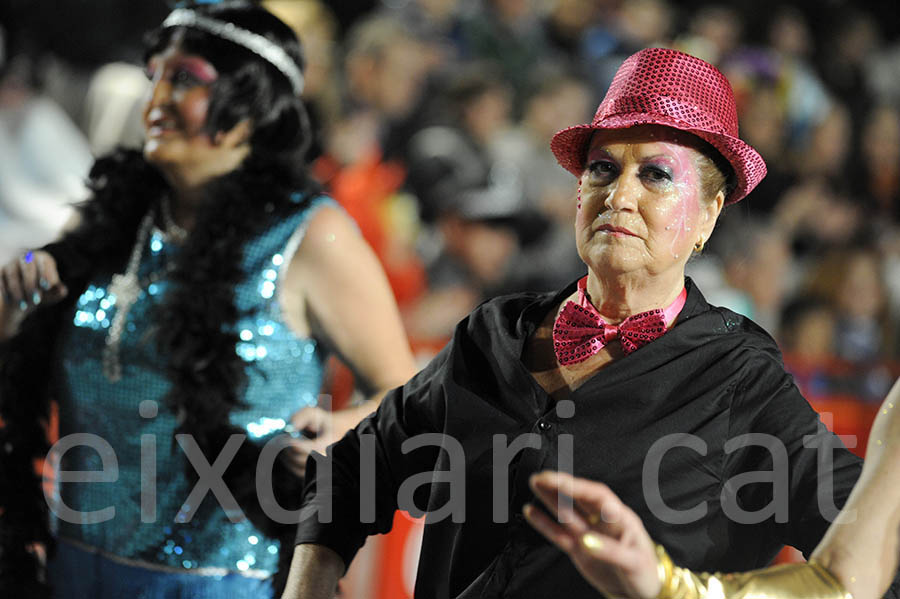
626, 376
677, 91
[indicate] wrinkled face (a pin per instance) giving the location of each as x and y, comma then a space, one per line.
175, 114
641, 206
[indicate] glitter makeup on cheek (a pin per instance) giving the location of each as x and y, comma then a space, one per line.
686, 201
582, 219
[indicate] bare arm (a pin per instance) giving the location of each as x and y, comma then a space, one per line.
315, 571
350, 301
862, 545
336, 289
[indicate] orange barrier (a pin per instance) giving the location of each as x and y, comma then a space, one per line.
385, 568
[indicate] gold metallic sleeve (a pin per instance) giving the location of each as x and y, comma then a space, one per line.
794, 581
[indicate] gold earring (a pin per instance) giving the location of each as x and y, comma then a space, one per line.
698, 247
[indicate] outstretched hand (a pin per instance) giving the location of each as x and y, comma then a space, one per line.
606, 541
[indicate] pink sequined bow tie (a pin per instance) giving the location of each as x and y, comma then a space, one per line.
579, 332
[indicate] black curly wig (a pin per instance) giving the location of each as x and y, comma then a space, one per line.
198, 339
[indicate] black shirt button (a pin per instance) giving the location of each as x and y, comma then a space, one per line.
544, 425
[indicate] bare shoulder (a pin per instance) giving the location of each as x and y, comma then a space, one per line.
310, 259
331, 249
329, 233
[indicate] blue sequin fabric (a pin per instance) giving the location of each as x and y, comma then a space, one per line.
125, 422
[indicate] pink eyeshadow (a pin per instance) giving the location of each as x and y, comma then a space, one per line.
200, 69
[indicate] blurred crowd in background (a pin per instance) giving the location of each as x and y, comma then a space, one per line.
433, 120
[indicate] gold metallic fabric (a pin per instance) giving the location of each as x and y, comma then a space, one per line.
793, 581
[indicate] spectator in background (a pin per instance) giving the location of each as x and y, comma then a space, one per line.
473, 201
316, 25
879, 180
384, 72
828, 146
552, 260
848, 53
36, 184
851, 281
557, 96
818, 212
763, 123
755, 262
572, 33
807, 330
437, 22
113, 105
783, 64
629, 26
644, 23
806, 338
478, 240
790, 42
882, 70
817, 217
714, 32
476, 113
508, 33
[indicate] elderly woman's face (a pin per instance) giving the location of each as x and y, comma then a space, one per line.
641, 202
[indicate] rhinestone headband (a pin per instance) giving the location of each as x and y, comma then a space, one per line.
258, 44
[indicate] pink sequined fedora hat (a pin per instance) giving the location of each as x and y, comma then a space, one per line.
666, 87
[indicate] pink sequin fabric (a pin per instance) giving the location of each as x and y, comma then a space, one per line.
666, 87
579, 331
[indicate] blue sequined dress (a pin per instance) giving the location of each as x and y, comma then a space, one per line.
127, 419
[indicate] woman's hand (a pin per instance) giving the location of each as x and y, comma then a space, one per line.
605, 539
319, 429
30, 280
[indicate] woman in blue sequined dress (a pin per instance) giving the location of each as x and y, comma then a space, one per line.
181, 325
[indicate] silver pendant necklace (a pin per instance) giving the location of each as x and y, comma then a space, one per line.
125, 287
173, 231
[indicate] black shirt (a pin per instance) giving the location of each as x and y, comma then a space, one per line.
714, 376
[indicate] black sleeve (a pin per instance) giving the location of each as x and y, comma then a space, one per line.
820, 465
821, 471
376, 442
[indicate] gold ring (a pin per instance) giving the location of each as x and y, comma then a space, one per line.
592, 541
